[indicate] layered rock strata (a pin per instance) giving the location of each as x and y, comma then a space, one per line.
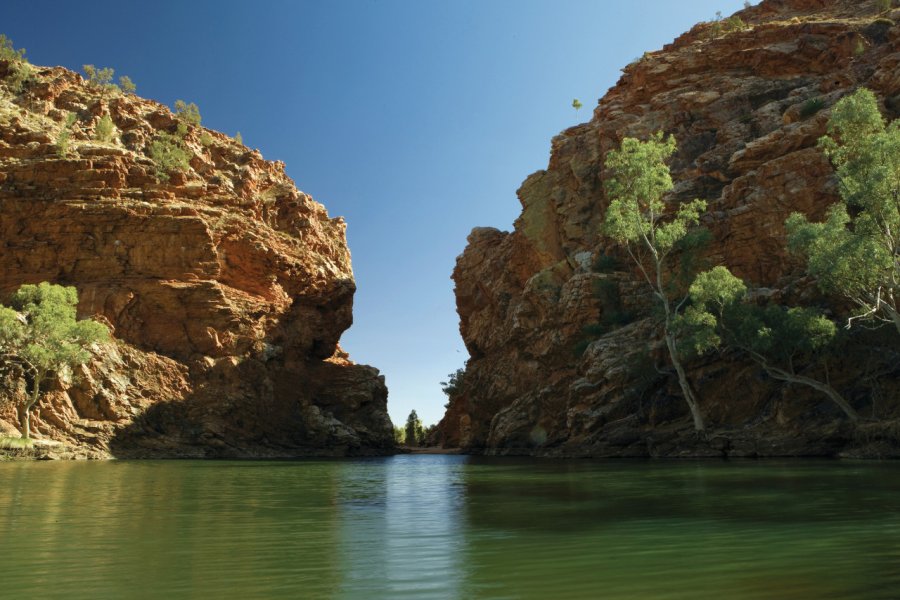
747, 108
226, 288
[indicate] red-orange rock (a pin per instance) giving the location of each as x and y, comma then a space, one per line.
227, 288
737, 105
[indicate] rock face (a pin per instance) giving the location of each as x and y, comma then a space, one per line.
226, 288
747, 109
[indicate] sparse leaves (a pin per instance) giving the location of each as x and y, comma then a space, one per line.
187, 112
576, 104
62, 140
127, 85
19, 72
8, 51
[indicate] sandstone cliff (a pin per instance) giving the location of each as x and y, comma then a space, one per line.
226, 288
747, 108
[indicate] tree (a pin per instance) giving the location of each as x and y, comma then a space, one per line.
18, 70
856, 251
189, 113
775, 337
238, 138
100, 78
414, 431
127, 85
636, 219
453, 386
40, 335
399, 435
576, 104
8, 50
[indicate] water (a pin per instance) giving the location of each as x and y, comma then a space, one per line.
450, 527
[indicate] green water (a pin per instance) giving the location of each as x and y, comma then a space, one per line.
450, 527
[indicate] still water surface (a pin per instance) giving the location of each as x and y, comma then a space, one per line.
450, 527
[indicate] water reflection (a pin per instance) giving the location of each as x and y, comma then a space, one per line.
450, 527
401, 535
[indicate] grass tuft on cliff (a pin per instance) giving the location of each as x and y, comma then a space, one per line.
15, 443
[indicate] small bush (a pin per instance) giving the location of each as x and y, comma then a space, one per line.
811, 107
127, 85
189, 113
62, 142
206, 139
20, 73
8, 51
105, 129
14, 443
100, 78
238, 138
720, 26
169, 154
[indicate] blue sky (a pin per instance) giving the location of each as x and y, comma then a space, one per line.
414, 119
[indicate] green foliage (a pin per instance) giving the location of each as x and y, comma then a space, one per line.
8, 50
720, 312
169, 152
19, 72
127, 85
18, 76
637, 218
576, 104
100, 78
40, 333
811, 107
12, 443
454, 384
399, 435
720, 26
206, 139
774, 336
62, 141
189, 113
856, 250
105, 129
638, 183
238, 138
414, 433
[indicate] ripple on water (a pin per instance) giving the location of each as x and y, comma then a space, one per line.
450, 527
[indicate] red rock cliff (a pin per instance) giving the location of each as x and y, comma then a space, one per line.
738, 105
227, 288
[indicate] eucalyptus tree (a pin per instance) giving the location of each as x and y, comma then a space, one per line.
777, 338
41, 336
637, 218
856, 251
